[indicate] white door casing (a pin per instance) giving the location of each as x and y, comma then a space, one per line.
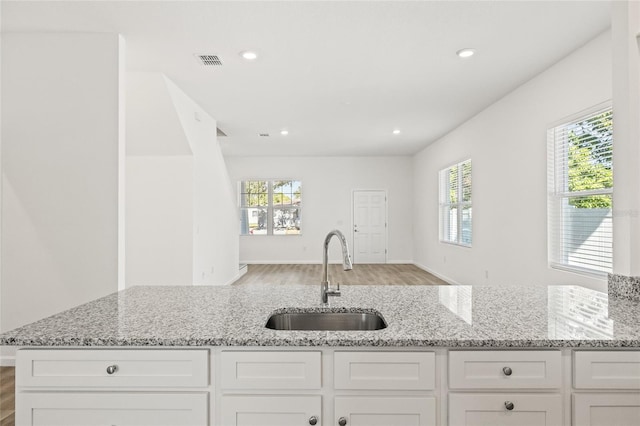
369, 226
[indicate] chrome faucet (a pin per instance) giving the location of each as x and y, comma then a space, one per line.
326, 289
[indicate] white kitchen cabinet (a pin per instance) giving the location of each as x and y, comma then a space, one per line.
116, 408
606, 409
86, 387
505, 409
608, 373
270, 370
227, 386
505, 369
384, 370
385, 410
263, 410
607, 370
113, 368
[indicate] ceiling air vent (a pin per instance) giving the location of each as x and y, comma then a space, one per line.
210, 60
264, 135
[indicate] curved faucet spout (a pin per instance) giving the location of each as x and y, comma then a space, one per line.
326, 290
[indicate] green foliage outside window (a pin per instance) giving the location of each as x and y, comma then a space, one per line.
590, 160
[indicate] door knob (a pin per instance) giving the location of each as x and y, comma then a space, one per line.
342, 421
313, 420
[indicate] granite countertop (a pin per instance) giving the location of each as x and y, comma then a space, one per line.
436, 316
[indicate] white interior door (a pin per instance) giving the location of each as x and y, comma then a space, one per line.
369, 226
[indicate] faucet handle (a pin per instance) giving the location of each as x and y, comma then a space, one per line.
334, 291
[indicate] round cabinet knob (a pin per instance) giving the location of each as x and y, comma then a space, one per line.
507, 371
342, 421
313, 420
112, 369
509, 405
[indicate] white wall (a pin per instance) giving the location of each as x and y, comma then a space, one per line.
626, 128
159, 217
60, 168
180, 203
215, 239
507, 145
327, 185
159, 186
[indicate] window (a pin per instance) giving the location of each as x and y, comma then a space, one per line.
270, 207
455, 204
580, 181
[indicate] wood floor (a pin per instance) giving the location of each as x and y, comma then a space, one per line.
378, 274
7, 396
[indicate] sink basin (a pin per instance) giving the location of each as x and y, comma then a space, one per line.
313, 320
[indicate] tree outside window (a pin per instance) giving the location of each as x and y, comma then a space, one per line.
270, 207
581, 193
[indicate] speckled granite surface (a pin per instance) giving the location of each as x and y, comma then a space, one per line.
623, 287
441, 316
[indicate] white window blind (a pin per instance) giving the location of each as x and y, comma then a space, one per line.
580, 183
455, 204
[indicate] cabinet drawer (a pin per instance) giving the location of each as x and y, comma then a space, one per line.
384, 370
282, 410
385, 410
504, 369
492, 409
594, 409
99, 408
607, 369
127, 368
271, 370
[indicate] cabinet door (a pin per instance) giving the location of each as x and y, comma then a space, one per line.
271, 370
607, 369
493, 409
282, 410
611, 409
385, 411
112, 368
100, 408
505, 369
384, 370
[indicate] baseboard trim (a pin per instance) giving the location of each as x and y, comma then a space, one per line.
236, 278
7, 361
442, 277
283, 262
317, 262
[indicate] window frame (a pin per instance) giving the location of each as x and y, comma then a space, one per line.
559, 193
444, 203
270, 207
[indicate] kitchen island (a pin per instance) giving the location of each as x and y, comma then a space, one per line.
556, 355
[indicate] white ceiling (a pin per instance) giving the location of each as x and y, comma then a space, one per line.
340, 76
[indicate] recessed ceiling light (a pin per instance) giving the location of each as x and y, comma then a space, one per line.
465, 53
249, 55
284, 132
396, 132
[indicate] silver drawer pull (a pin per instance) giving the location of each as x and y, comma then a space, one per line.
509, 405
342, 421
507, 371
313, 420
112, 369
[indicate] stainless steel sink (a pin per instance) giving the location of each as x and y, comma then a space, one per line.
326, 321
